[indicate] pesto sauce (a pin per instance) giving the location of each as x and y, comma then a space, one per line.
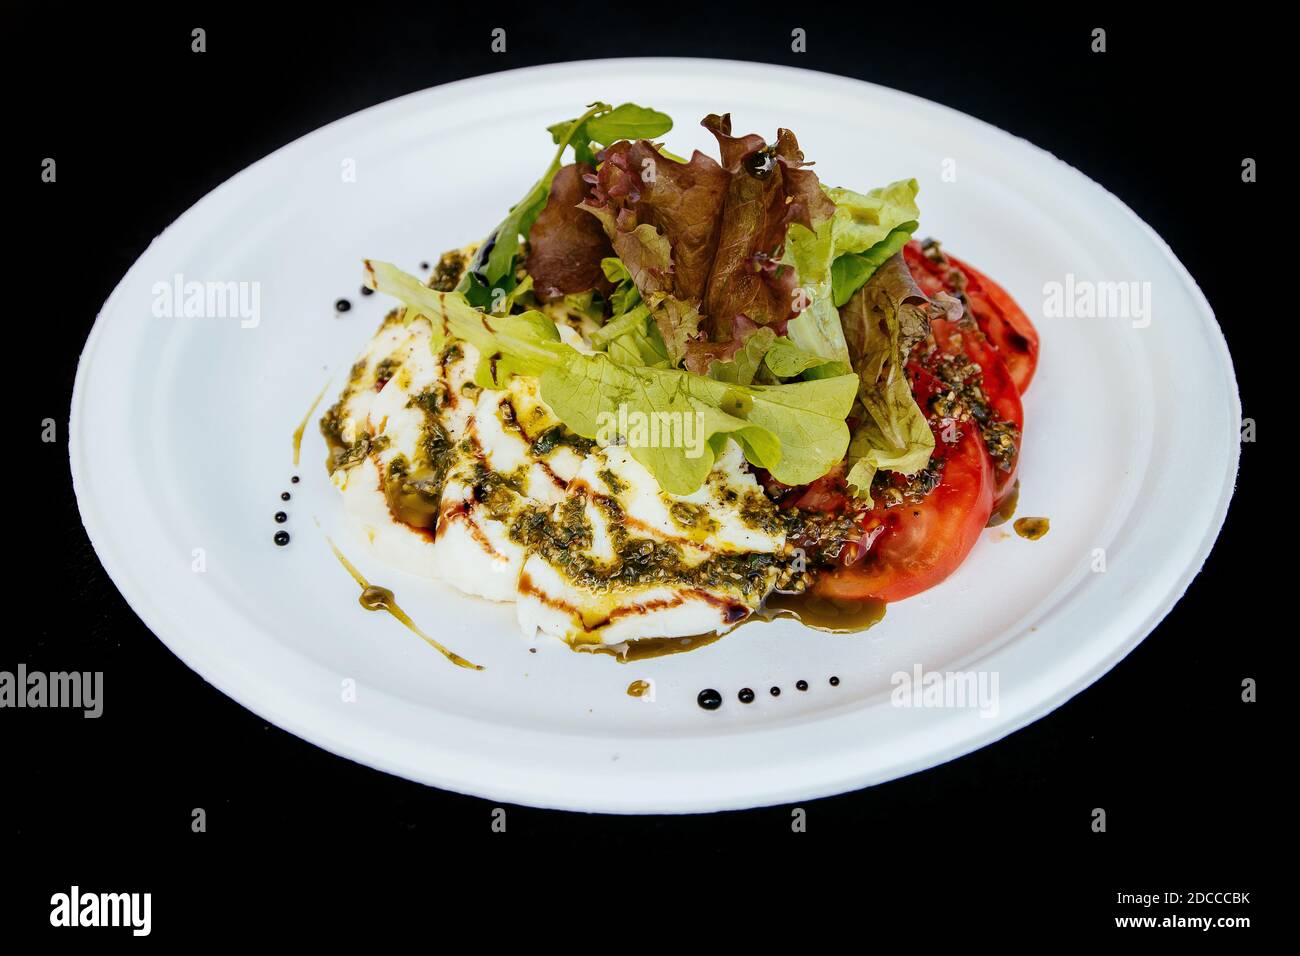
637, 562
359, 450
558, 435
965, 400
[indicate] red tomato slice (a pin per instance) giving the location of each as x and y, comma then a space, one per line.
1004, 323
955, 340
910, 546
929, 275
918, 544
1001, 320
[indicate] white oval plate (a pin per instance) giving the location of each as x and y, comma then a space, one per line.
180, 448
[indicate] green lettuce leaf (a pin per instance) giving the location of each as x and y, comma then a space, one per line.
632, 339
743, 366
850, 271
858, 225
882, 321
787, 360
796, 431
625, 296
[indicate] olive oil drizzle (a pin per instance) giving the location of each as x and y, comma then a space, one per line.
302, 426
381, 599
650, 647
1032, 528
1005, 511
822, 613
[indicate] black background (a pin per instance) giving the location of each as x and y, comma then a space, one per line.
142, 128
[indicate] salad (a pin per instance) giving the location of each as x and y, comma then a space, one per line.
666, 395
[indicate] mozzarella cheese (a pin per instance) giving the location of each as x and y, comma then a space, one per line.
486, 490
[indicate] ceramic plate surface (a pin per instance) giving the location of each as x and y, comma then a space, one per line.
181, 446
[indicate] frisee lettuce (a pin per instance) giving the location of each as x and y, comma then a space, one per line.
796, 431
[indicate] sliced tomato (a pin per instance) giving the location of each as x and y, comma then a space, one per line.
1003, 322
929, 275
964, 340
827, 494
910, 545
1000, 318
916, 544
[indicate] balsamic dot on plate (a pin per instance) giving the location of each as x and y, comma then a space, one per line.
801, 685
284, 496
281, 538
295, 479
342, 305
709, 699
835, 682
775, 692
746, 695
424, 266
281, 517
366, 290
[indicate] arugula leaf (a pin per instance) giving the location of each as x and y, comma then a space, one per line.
627, 121
495, 265
796, 431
